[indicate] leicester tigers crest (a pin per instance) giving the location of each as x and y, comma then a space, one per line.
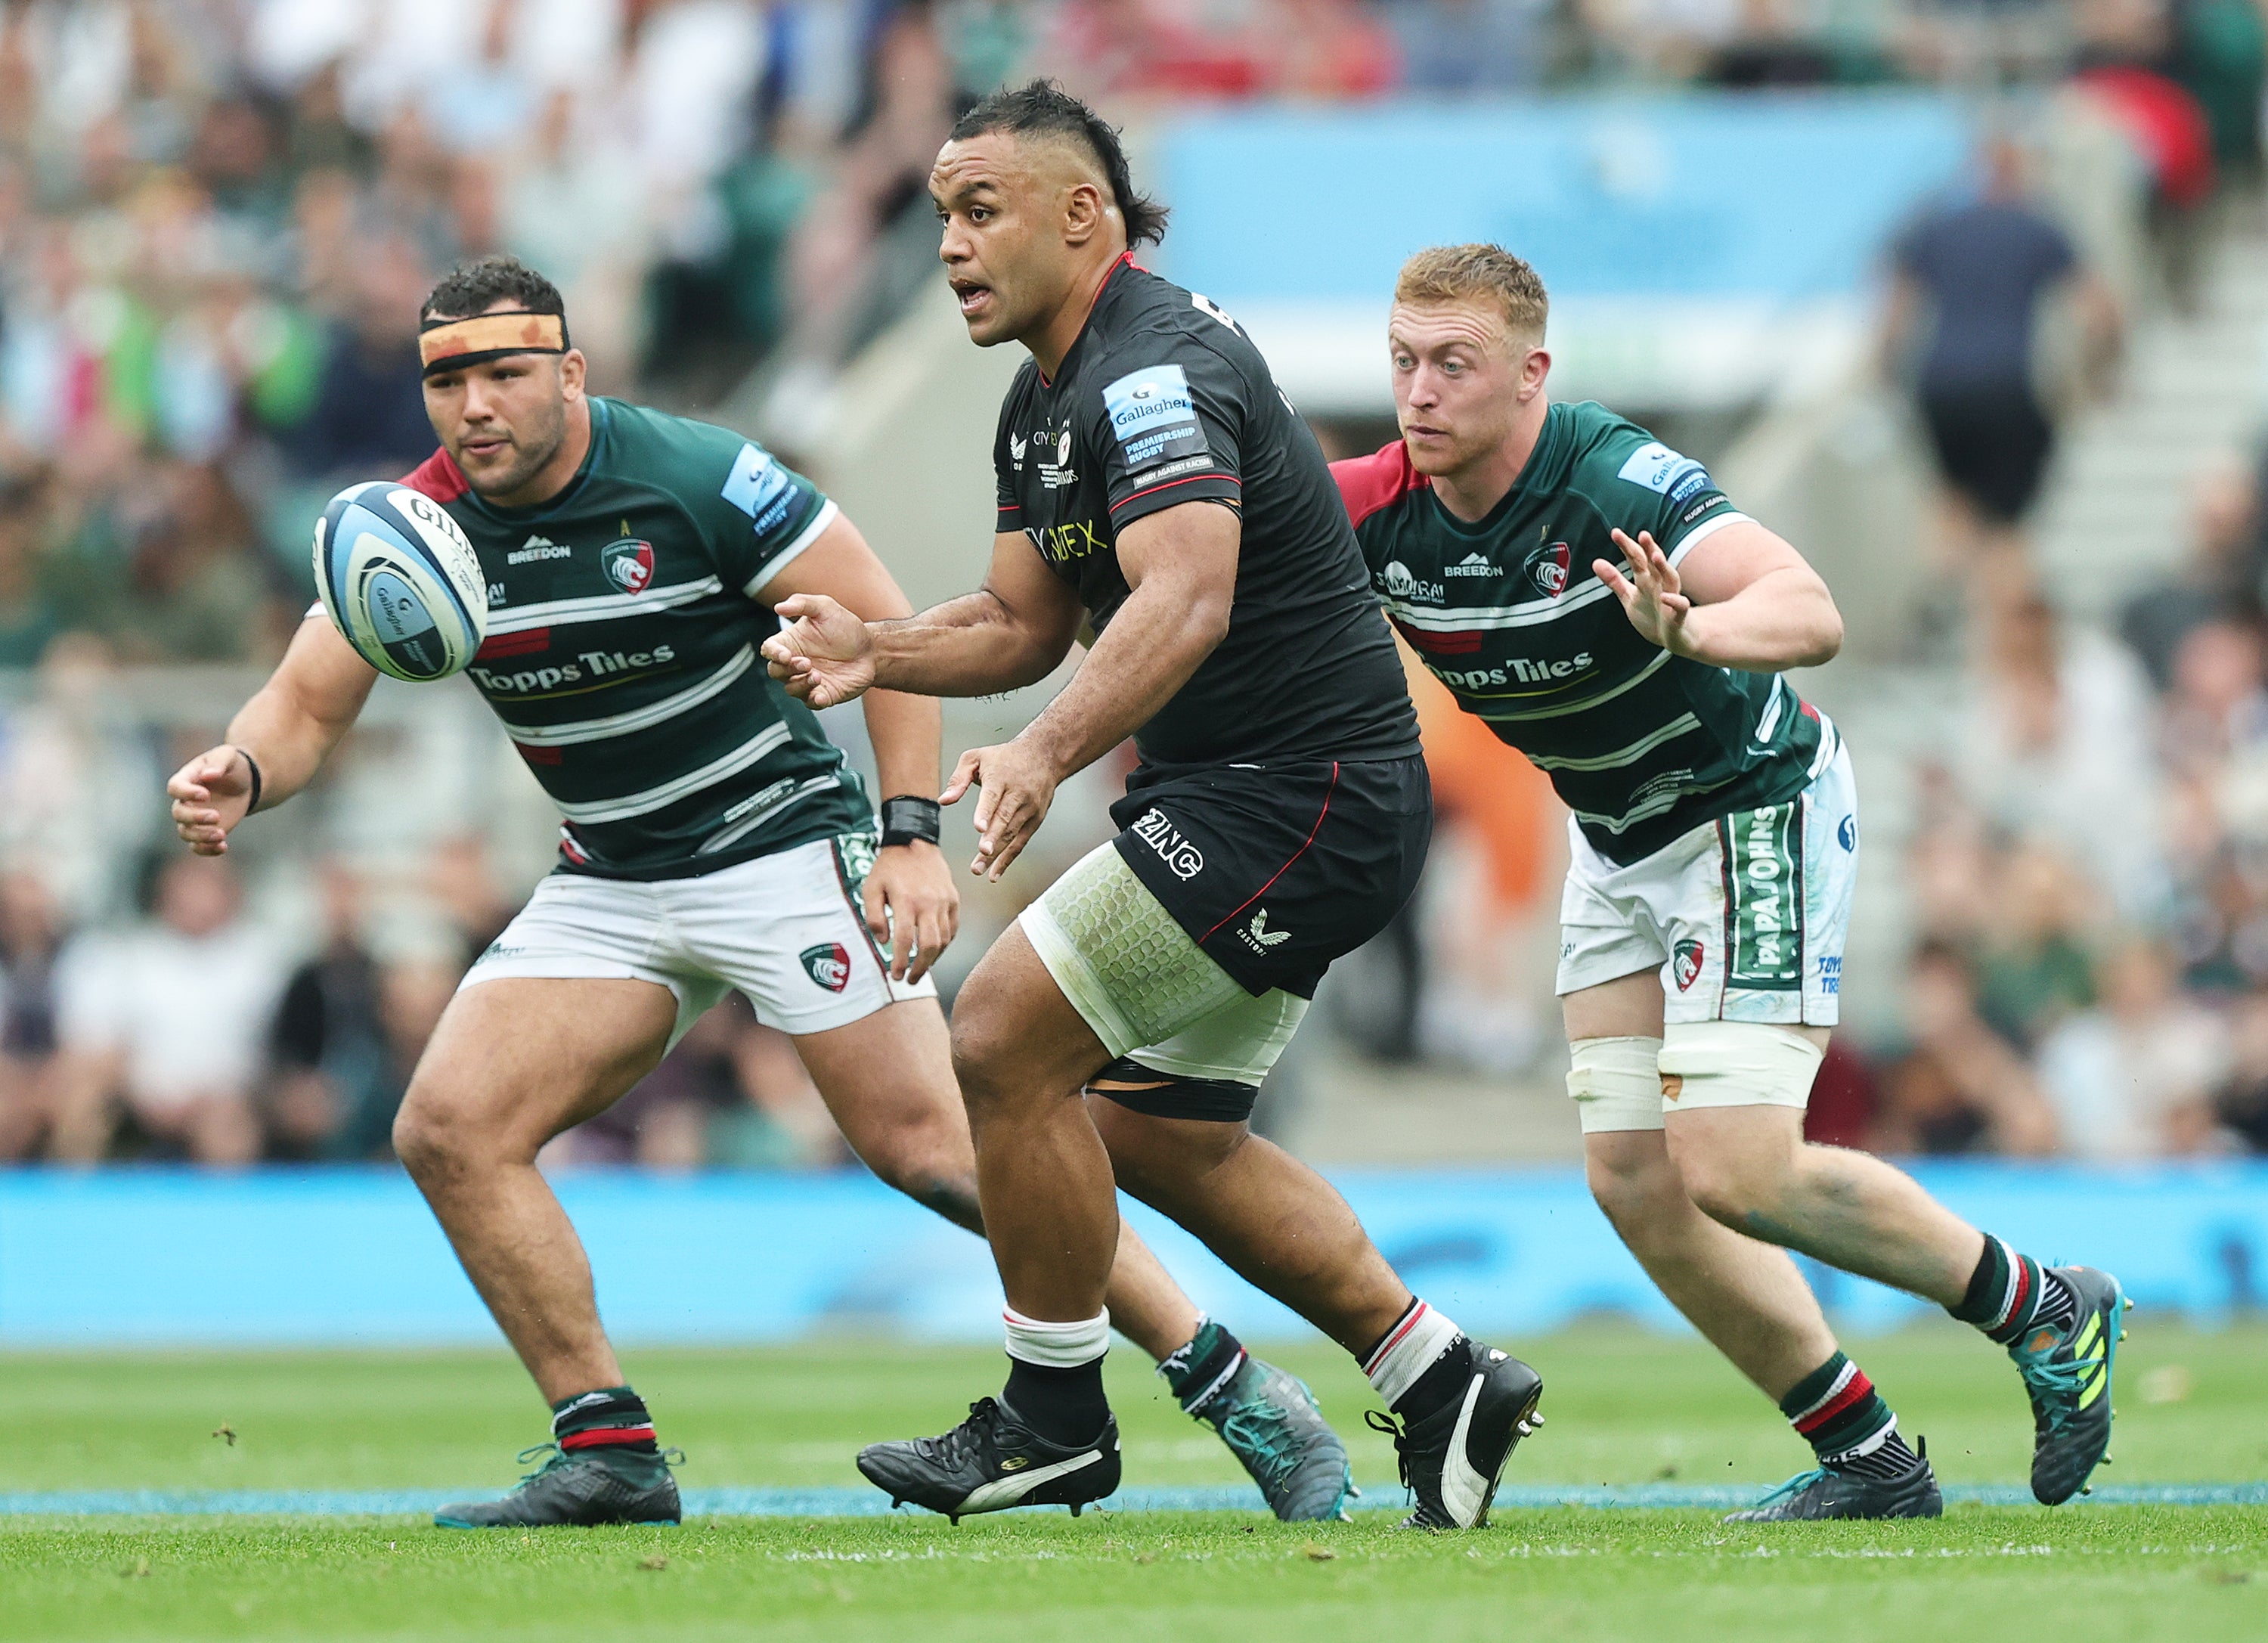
628, 565
1547, 568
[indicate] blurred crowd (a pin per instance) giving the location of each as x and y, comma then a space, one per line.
197, 1031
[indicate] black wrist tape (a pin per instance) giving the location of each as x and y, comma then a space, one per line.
908, 821
252, 765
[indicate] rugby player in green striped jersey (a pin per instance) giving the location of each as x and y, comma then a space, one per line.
1603, 605
712, 839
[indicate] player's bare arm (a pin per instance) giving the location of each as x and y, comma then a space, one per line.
1181, 565
1744, 598
1011, 632
287, 730
910, 892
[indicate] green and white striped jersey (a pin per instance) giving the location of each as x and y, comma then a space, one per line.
623, 620
1642, 745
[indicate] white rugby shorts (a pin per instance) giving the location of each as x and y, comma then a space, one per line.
787, 930
1745, 916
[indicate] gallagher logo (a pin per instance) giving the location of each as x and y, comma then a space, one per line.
1685, 962
1547, 566
628, 565
828, 964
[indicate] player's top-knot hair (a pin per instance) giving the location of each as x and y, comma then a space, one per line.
1479, 273
1043, 108
473, 287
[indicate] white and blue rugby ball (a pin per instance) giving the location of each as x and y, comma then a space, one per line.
399, 579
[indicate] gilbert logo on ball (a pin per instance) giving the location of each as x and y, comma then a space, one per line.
828, 964
399, 582
628, 565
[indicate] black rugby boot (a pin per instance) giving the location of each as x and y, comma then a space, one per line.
588, 1486
991, 1462
1453, 1458
2068, 1373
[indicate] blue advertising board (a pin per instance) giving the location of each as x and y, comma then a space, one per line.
349, 1257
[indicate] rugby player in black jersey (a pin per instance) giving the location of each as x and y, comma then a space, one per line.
712, 840
1154, 481
1597, 599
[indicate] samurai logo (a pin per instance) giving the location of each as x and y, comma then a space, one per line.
828, 964
1685, 960
628, 565
1548, 567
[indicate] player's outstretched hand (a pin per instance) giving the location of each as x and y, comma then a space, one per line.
823, 656
911, 904
1650, 593
212, 794
1020, 784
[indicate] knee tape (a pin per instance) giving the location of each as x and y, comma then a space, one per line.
1736, 1063
1616, 1083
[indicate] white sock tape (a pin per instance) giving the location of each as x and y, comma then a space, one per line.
1057, 1346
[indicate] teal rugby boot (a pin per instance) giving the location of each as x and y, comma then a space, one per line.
586, 1487
1270, 1422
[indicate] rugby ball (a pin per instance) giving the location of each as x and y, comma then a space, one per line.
399, 579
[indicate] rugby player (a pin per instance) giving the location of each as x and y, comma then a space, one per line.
1153, 482
1602, 604
712, 839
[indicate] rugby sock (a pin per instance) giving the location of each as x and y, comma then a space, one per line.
1055, 1376
2009, 1293
1422, 1360
1201, 1370
1836, 1409
612, 1418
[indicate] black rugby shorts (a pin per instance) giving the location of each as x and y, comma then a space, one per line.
1276, 871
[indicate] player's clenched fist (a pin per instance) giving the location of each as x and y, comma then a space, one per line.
823, 656
212, 793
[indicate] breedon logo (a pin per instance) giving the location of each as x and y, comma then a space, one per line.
628, 565
828, 964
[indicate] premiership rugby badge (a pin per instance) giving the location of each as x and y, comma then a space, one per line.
1685, 962
628, 565
828, 964
1548, 566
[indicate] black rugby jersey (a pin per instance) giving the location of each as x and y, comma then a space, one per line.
1507, 612
624, 616
1163, 401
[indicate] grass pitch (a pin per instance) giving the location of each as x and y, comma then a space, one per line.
1624, 1408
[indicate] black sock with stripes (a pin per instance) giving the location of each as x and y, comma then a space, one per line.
1200, 1371
1836, 1409
612, 1418
2010, 1293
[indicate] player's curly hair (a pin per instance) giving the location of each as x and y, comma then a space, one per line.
473, 287
1482, 273
1043, 108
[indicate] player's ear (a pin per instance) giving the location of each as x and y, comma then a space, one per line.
573, 368
1533, 370
1083, 213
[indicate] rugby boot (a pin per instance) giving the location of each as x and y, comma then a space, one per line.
589, 1486
1832, 1491
2068, 1374
991, 1462
1452, 1460
1270, 1423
